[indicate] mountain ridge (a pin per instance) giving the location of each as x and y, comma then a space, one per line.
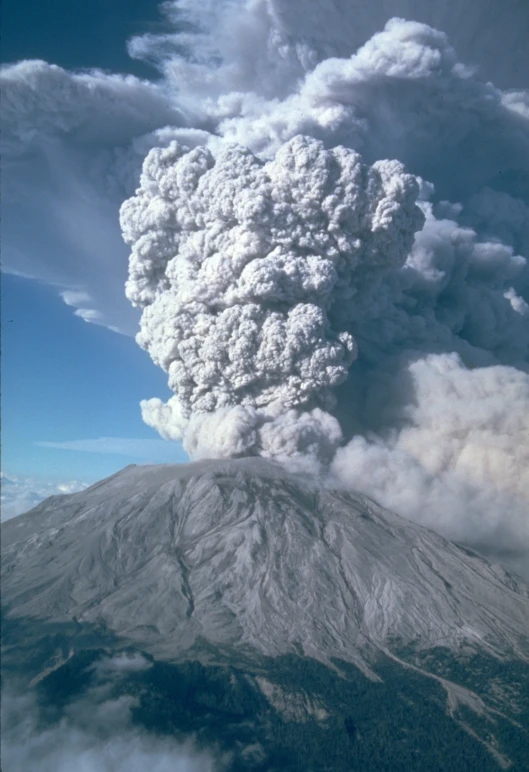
244, 545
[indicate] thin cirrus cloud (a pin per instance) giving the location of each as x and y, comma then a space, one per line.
156, 451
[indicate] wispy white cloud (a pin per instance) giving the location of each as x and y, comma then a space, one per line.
157, 451
72, 147
20, 494
95, 732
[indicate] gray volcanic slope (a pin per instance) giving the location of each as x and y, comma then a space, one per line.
242, 556
283, 626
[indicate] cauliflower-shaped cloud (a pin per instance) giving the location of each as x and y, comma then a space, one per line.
241, 265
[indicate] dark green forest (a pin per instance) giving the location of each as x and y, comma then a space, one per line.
399, 724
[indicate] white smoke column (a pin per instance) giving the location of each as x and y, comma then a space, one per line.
238, 265
456, 457
257, 311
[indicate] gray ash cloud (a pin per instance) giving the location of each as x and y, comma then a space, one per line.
314, 302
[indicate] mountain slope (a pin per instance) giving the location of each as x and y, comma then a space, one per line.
229, 551
238, 564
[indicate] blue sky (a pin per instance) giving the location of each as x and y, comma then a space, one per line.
75, 34
64, 380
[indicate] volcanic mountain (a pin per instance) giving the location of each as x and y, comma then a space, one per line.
287, 624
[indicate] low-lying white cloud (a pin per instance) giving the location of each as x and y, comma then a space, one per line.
20, 494
94, 732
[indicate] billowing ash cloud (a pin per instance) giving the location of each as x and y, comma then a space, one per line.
260, 72
246, 271
313, 301
329, 242
265, 46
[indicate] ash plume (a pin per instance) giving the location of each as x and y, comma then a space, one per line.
336, 276
246, 270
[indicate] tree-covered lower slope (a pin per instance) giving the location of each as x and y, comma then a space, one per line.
294, 714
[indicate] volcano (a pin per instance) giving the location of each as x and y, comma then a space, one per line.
284, 623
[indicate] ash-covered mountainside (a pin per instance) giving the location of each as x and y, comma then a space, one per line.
242, 556
282, 625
